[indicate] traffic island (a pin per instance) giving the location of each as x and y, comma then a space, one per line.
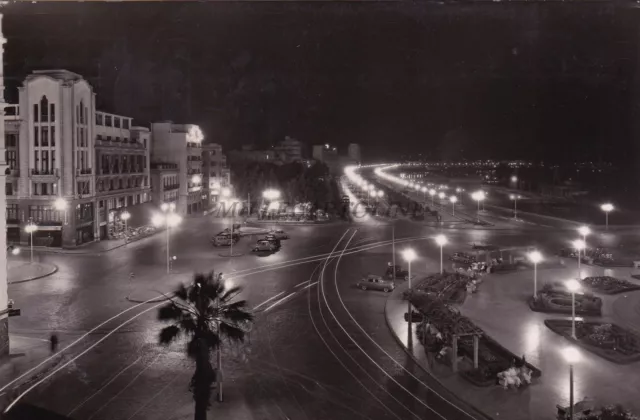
20, 272
550, 300
609, 285
609, 341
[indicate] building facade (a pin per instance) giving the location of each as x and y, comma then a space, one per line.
65, 151
4, 298
181, 144
164, 183
216, 176
122, 156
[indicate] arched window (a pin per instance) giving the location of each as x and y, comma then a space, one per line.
44, 109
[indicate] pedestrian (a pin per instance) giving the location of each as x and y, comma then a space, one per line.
54, 343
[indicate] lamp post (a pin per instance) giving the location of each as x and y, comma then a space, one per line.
535, 257
441, 240
432, 193
409, 255
572, 356
579, 245
424, 194
573, 286
61, 205
30, 228
515, 198
270, 195
453, 200
606, 208
514, 180
478, 196
169, 219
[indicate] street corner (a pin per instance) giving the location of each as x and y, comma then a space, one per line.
148, 296
20, 272
394, 310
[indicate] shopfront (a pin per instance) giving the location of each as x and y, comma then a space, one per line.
84, 216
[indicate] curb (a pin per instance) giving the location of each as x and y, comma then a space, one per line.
72, 251
153, 300
53, 271
395, 336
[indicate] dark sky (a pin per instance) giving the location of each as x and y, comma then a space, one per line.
535, 81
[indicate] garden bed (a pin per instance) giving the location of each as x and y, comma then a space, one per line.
608, 341
609, 285
449, 287
492, 357
559, 301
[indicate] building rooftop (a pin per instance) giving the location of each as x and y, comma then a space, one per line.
60, 74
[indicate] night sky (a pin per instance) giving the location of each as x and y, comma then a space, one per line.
534, 81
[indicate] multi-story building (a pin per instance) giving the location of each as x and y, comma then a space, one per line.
123, 177
164, 183
289, 150
54, 180
181, 144
216, 178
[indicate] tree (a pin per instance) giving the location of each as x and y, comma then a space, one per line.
204, 313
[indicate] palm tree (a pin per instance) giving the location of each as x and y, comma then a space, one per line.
204, 313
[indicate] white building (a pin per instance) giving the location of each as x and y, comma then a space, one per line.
67, 151
216, 178
181, 144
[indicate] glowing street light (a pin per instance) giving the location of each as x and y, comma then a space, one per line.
30, 228
572, 356
535, 257
432, 193
441, 195
170, 220
196, 179
606, 208
424, 193
573, 286
514, 179
61, 205
453, 200
380, 193
584, 231
579, 245
515, 198
478, 196
441, 240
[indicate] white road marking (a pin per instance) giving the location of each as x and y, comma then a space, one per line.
300, 284
29, 338
280, 301
268, 300
312, 284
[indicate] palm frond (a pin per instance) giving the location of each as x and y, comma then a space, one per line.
169, 334
231, 332
181, 292
169, 312
230, 293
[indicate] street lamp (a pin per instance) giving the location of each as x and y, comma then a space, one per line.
572, 356
226, 192
514, 179
584, 231
61, 205
453, 200
380, 194
573, 286
125, 216
515, 198
441, 195
30, 228
432, 193
441, 240
409, 255
168, 219
535, 257
478, 196
606, 208
424, 193
579, 245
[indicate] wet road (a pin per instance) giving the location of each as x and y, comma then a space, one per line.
319, 349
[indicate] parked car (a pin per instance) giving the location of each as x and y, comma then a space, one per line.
263, 246
415, 316
279, 234
374, 282
400, 273
274, 240
224, 240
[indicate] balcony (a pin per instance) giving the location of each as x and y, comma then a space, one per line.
119, 144
171, 187
44, 175
86, 171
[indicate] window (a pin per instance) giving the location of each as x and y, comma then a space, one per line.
11, 157
53, 160
85, 118
45, 136
10, 140
8, 187
36, 160
45, 160
35, 113
116, 122
44, 109
108, 138
53, 136
36, 132
52, 112
107, 120
99, 119
125, 124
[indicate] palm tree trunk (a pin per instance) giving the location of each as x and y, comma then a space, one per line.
202, 381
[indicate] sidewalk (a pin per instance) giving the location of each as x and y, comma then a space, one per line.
21, 271
500, 309
94, 247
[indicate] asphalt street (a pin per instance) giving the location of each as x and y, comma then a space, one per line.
319, 349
